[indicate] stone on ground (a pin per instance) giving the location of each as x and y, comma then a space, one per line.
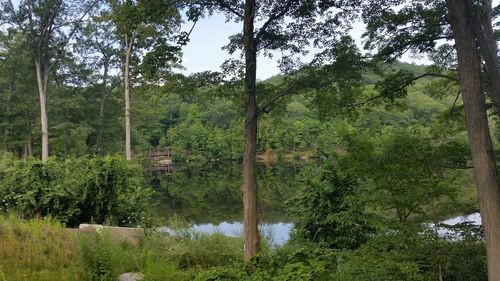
131, 276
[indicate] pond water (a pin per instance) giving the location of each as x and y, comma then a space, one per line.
473, 219
208, 197
273, 233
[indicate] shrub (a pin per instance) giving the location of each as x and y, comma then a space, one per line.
367, 265
306, 262
99, 190
327, 211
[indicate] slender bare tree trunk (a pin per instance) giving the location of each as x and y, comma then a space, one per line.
27, 150
42, 77
483, 158
29, 146
8, 97
249, 184
29, 142
128, 50
24, 153
104, 96
66, 142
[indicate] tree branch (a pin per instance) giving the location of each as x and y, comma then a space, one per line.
222, 5
16, 18
357, 104
436, 75
455, 101
407, 83
72, 32
265, 108
272, 18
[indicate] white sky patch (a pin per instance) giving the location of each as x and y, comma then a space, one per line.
204, 50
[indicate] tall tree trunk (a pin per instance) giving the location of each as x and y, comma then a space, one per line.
488, 48
483, 158
29, 141
29, 146
42, 79
8, 97
24, 154
66, 142
128, 49
104, 96
249, 184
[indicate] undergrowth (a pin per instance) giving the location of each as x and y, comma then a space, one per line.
42, 250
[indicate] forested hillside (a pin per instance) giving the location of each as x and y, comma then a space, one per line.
202, 124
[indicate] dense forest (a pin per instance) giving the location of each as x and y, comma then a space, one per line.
366, 156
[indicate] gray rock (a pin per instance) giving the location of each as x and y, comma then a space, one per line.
131, 276
119, 234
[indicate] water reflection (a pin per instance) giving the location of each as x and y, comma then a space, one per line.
274, 233
208, 197
210, 193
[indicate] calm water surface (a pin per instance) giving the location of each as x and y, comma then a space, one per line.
208, 196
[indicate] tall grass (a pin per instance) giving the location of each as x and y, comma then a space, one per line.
38, 249
43, 250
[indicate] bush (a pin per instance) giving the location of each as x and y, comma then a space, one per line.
423, 255
98, 190
328, 212
301, 263
366, 265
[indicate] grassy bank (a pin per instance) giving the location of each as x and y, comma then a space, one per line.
42, 250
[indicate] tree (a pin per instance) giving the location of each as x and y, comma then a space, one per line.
9, 60
287, 26
99, 43
17, 87
48, 26
483, 157
418, 26
144, 26
485, 36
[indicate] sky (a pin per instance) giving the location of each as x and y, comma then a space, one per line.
203, 52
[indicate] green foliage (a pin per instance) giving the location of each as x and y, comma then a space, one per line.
370, 265
407, 169
328, 212
424, 21
307, 262
394, 85
150, 26
99, 190
202, 131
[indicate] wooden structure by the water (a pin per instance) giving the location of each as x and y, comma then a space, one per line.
161, 160
161, 155
166, 169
